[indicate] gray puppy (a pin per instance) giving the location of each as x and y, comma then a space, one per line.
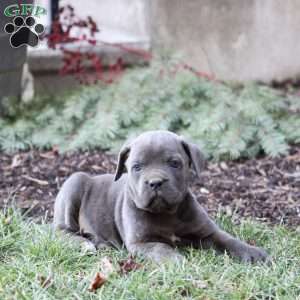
150, 210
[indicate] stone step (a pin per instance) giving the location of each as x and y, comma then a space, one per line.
45, 63
111, 45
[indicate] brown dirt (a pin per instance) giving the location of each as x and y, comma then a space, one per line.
265, 189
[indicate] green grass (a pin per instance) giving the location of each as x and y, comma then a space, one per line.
29, 250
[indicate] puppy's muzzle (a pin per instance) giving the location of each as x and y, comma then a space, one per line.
155, 183
158, 204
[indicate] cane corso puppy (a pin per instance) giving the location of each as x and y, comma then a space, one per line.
150, 209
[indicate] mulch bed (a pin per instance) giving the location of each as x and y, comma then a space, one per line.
266, 189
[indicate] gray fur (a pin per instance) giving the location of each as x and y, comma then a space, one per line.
150, 210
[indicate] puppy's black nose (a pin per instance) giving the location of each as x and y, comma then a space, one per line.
155, 183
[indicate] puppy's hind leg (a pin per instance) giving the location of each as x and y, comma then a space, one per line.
67, 206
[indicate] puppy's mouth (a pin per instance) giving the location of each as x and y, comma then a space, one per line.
158, 204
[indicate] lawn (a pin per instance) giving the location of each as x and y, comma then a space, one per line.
227, 121
36, 263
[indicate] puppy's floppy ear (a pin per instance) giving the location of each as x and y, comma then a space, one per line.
197, 158
123, 155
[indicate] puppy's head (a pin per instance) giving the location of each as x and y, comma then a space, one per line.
158, 165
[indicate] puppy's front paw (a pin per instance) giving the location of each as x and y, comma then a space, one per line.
174, 258
88, 247
165, 256
157, 252
249, 254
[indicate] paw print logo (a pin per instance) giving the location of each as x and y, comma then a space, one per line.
24, 32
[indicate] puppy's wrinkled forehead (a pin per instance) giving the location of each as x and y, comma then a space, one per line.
151, 145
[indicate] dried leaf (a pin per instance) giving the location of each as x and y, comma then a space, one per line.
17, 160
128, 265
38, 181
97, 168
204, 191
97, 282
223, 166
106, 266
47, 155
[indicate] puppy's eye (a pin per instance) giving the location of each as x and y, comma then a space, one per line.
137, 167
174, 163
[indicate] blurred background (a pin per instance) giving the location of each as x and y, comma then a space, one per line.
230, 40
224, 74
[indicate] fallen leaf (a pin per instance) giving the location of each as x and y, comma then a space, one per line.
128, 265
82, 163
47, 155
38, 181
106, 266
223, 166
97, 282
204, 191
17, 160
96, 168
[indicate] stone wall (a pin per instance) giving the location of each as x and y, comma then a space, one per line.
117, 17
239, 40
232, 39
